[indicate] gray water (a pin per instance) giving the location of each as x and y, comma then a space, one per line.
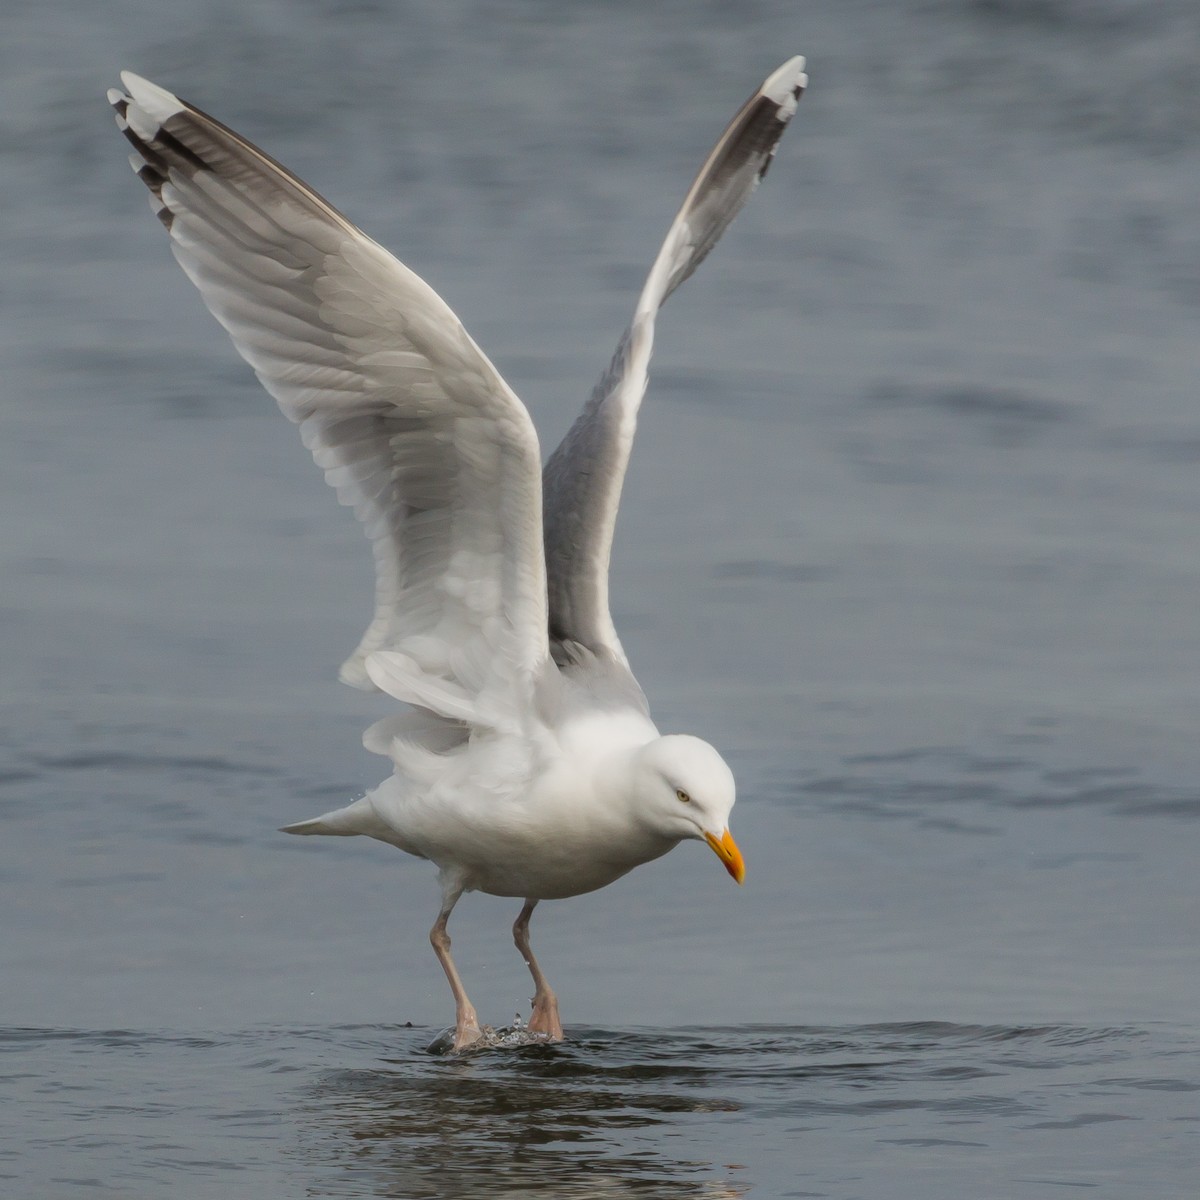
911, 533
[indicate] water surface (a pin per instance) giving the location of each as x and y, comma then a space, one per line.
687, 1112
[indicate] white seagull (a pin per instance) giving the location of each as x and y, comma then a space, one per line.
526, 764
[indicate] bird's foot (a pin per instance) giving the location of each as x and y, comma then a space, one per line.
464, 1039
544, 1019
451, 1042
467, 1031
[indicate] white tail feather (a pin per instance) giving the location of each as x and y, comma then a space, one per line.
359, 819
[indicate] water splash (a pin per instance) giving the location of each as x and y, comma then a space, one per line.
508, 1037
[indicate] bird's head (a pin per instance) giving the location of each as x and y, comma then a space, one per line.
686, 789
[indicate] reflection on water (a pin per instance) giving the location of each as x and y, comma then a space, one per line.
590, 1118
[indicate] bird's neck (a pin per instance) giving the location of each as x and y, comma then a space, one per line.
602, 750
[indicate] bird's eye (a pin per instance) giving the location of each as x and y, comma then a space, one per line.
682, 796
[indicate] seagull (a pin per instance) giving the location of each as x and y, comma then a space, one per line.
525, 763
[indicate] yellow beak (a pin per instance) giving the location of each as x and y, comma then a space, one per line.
725, 848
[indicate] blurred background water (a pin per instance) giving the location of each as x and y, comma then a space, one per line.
910, 533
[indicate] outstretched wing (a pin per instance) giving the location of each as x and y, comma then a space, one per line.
582, 480
412, 424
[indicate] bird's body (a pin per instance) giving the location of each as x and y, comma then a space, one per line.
515, 818
526, 764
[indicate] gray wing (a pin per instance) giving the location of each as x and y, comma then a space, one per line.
582, 480
410, 421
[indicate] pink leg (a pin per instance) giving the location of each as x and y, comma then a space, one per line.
466, 1023
545, 1003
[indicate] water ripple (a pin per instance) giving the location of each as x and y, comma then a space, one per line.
698, 1112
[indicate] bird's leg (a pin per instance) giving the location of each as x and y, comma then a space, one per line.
466, 1023
545, 1003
